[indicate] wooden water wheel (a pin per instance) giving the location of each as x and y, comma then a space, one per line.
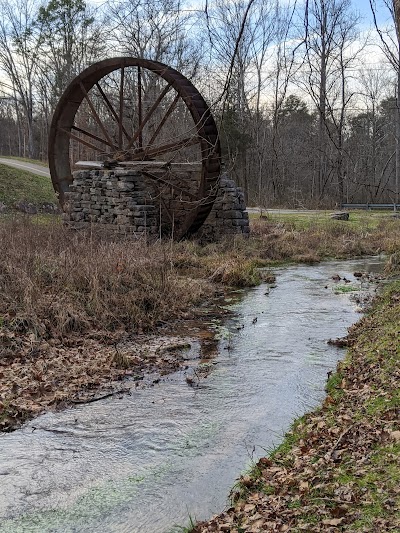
136, 113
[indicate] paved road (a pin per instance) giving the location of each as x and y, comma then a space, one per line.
256, 210
23, 165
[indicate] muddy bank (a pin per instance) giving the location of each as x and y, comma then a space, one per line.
40, 375
78, 313
338, 468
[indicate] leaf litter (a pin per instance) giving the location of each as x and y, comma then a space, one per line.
38, 375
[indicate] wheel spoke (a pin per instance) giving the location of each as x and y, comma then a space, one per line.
91, 135
163, 121
96, 116
165, 148
112, 110
82, 141
154, 177
169, 215
140, 110
148, 115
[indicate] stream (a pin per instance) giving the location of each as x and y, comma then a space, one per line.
148, 461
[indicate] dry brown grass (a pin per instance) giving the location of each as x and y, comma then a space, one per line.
67, 299
324, 239
236, 262
54, 282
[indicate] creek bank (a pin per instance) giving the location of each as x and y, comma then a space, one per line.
39, 375
143, 461
338, 468
65, 299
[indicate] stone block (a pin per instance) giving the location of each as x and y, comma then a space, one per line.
131, 178
226, 183
125, 186
122, 219
232, 214
239, 222
78, 216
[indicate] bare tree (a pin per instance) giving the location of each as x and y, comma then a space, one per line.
72, 39
240, 35
285, 68
20, 39
368, 160
390, 44
329, 27
155, 29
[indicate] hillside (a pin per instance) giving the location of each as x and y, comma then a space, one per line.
19, 185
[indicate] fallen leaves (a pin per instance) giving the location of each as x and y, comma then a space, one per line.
332, 522
395, 435
43, 375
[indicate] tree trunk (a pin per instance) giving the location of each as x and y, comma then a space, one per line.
322, 111
396, 196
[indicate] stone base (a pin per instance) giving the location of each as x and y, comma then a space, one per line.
340, 216
118, 202
111, 200
228, 216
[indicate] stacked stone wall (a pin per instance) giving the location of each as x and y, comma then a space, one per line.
123, 202
112, 200
176, 204
228, 216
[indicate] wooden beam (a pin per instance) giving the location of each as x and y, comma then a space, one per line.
145, 165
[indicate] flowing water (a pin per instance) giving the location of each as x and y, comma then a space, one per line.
149, 460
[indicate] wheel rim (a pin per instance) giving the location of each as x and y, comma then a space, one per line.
129, 109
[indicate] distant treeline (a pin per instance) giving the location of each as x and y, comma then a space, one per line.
302, 122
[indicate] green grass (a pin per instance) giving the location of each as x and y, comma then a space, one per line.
333, 385
367, 220
185, 529
19, 185
291, 439
344, 289
381, 404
